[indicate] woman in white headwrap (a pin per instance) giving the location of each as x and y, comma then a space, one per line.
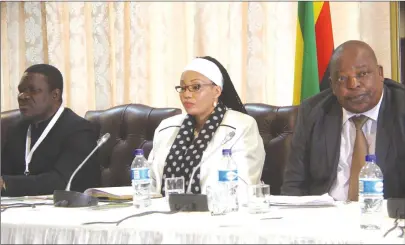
216, 119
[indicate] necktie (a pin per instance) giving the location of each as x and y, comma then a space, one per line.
360, 150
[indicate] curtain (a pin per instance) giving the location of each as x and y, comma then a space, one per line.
113, 53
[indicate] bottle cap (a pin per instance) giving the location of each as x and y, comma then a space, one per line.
138, 152
371, 158
226, 152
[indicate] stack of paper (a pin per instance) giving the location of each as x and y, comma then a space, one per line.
323, 200
27, 198
115, 193
111, 193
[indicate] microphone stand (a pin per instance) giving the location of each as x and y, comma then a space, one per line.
228, 137
78, 168
194, 202
68, 198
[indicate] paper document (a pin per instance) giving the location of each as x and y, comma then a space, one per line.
27, 198
323, 200
25, 201
115, 193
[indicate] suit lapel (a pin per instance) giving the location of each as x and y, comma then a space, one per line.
384, 127
332, 130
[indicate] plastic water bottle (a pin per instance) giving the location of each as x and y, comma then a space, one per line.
140, 176
228, 180
371, 194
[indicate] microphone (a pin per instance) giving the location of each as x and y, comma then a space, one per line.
190, 202
100, 142
227, 138
67, 198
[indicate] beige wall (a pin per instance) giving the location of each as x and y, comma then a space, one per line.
367, 21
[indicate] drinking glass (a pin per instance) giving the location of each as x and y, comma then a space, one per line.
174, 185
217, 203
258, 198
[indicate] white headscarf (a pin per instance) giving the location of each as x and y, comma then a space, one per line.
206, 68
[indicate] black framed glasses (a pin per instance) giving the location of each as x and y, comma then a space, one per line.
192, 87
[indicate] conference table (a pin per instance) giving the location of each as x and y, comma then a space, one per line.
46, 224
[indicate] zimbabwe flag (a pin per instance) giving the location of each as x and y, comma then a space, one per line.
314, 47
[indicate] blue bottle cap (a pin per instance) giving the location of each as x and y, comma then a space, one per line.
138, 152
226, 152
371, 158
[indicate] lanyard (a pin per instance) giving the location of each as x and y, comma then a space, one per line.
28, 151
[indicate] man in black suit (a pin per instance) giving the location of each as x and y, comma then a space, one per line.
362, 113
45, 147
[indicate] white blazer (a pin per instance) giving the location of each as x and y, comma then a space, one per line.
247, 149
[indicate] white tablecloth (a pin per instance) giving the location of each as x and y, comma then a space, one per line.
51, 225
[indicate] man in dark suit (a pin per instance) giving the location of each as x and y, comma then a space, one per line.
45, 147
362, 113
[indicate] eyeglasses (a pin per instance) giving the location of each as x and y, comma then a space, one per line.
192, 87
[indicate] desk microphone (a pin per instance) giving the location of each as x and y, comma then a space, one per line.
227, 138
67, 198
190, 202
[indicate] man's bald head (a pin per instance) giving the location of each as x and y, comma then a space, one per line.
352, 46
356, 78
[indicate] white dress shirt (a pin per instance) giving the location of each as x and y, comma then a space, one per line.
340, 187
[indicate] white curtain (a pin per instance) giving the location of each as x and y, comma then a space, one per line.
113, 53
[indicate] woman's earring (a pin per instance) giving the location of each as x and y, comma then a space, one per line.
215, 104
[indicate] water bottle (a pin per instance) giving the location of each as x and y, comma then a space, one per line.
371, 194
140, 177
228, 180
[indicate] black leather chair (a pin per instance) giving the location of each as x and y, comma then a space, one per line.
131, 126
8, 118
276, 124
